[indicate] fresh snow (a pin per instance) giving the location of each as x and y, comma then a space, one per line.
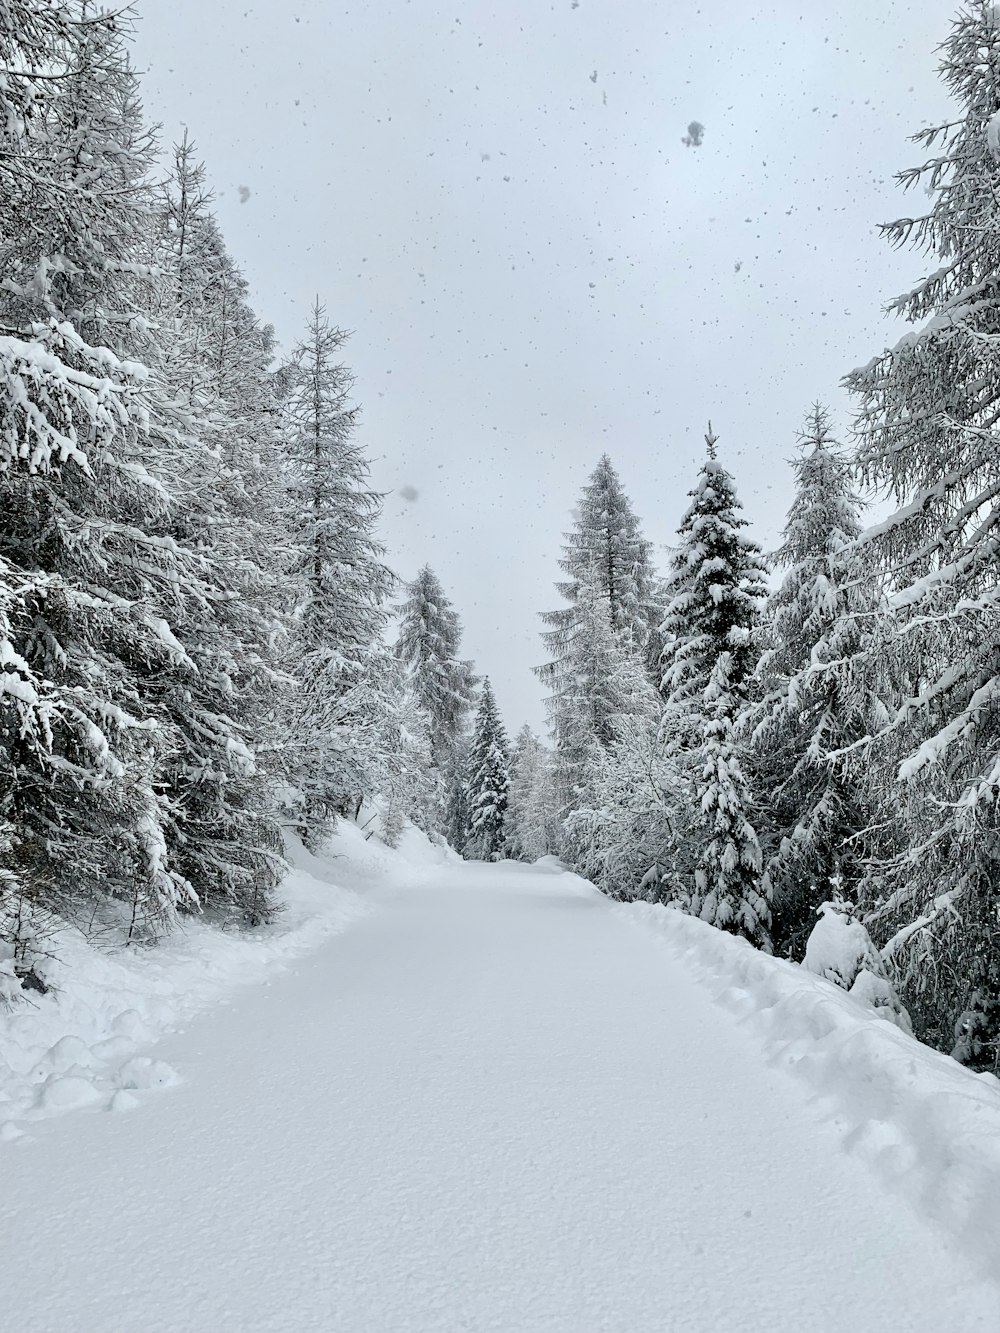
78, 1044
929, 1127
496, 1102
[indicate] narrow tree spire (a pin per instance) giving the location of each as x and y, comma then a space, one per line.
488, 781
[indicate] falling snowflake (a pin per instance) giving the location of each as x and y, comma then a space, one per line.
695, 134
244, 193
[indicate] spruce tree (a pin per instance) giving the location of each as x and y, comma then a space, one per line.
717, 580
802, 717
488, 782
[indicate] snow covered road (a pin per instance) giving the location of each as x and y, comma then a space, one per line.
490, 1105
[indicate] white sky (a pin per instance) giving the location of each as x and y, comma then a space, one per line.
535, 268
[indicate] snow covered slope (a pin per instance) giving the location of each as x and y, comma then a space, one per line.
86, 1042
930, 1127
492, 1105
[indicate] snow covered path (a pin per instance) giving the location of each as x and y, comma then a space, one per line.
491, 1105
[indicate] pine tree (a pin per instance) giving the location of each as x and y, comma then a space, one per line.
716, 582
488, 782
344, 582
214, 362
609, 616
606, 549
802, 715
927, 435
531, 825
718, 585
84, 513
443, 684
635, 837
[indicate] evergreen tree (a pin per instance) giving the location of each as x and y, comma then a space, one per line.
606, 549
927, 436
488, 782
428, 645
635, 837
215, 359
718, 585
343, 579
85, 509
802, 716
531, 824
605, 631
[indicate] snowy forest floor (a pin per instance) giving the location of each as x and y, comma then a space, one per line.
494, 1102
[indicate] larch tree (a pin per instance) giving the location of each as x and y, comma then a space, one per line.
85, 507
220, 416
488, 782
609, 594
927, 426
337, 647
443, 684
717, 580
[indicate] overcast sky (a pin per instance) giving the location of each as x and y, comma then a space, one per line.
497, 202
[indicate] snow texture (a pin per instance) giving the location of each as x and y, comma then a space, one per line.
80, 1044
492, 1105
930, 1127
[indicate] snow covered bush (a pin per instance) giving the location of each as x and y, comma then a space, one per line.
638, 834
841, 950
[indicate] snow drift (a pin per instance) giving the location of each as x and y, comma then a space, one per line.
929, 1126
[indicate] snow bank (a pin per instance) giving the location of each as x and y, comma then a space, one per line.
929, 1126
79, 1045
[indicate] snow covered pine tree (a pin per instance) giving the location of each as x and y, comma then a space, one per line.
717, 581
610, 595
337, 647
801, 715
221, 429
86, 504
488, 782
443, 684
927, 430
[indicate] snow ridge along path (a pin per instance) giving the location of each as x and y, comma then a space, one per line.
490, 1105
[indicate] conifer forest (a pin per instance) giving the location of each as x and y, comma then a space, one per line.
213, 666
